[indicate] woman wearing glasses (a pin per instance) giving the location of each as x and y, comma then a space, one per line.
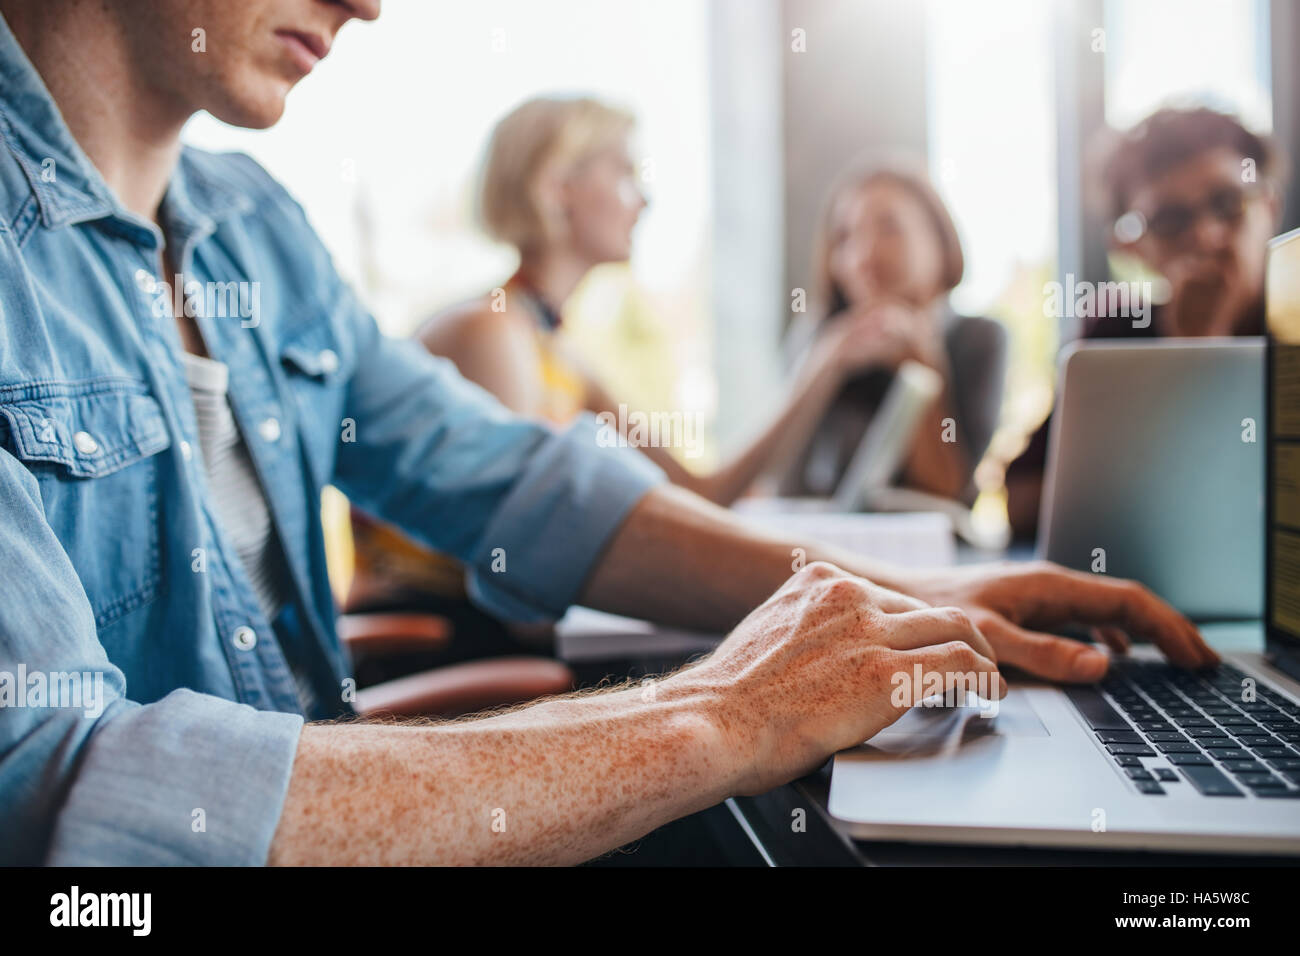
1194, 197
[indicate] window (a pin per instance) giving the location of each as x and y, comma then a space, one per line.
992, 146
1171, 52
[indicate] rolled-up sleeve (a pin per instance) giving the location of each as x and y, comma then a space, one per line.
540, 544
527, 509
102, 779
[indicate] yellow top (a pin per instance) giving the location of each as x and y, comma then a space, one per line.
388, 560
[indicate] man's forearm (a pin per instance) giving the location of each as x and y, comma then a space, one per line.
682, 561
555, 783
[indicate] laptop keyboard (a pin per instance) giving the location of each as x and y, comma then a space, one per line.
1168, 727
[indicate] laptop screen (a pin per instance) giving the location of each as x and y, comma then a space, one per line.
1282, 585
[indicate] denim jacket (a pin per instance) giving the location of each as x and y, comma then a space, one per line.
176, 744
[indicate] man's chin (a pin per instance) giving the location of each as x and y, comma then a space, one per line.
253, 112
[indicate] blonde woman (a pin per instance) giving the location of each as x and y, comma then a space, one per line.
888, 255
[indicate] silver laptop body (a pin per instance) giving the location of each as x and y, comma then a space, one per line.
1157, 470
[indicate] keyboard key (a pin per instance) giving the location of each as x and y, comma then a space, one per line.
1183, 748
1271, 751
1188, 760
1166, 775
1256, 779
1119, 737
1167, 737
1150, 787
1132, 750
1207, 732
1095, 709
1244, 766
1137, 773
1217, 745
1232, 754
1129, 761
1211, 782
1285, 763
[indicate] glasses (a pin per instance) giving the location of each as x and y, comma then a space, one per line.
1172, 221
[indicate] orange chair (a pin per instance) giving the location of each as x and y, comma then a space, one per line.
449, 691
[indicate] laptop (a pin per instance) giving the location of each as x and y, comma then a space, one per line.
1191, 529
1152, 757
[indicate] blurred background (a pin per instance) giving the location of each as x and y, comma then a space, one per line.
746, 110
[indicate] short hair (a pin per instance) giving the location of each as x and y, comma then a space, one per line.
903, 171
542, 137
1169, 137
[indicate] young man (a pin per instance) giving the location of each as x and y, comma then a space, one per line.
160, 466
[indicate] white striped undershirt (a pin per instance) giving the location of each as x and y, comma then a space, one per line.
237, 495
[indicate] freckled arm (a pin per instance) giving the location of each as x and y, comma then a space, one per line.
558, 782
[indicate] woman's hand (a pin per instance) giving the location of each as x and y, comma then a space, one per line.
878, 336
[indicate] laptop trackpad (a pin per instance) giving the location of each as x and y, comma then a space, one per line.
929, 730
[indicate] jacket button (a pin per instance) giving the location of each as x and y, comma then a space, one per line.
85, 443
270, 429
187, 450
329, 361
244, 638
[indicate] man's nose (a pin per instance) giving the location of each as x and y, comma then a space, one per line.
361, 9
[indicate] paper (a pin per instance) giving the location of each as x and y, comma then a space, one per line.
914, 539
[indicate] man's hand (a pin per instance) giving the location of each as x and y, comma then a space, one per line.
1008, 602
816, 668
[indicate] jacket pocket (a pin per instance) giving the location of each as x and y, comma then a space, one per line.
317, 367
91, 446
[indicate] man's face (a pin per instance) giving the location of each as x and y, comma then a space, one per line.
1207, 234
237, 59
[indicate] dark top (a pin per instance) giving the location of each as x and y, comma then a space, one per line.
976, 349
